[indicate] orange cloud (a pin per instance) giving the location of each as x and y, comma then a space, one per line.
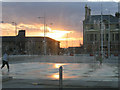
67, 38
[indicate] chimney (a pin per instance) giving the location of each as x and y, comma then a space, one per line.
87, 12
21, 33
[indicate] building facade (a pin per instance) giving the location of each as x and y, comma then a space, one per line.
76, 50
21, 44
92, 28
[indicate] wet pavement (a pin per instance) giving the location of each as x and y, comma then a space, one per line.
74, 74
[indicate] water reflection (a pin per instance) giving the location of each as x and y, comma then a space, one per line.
71, 71
65, 76
57, 65
55, 76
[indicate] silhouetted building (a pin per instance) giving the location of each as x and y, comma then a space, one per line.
21, 44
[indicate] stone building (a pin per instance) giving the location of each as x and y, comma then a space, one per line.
21, 44
92, 32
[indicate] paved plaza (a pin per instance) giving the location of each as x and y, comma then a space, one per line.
43, 72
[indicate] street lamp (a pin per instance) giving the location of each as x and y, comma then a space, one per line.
109, 55
44, 41
102, 29
14, 23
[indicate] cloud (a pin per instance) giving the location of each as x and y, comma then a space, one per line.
64, 16
60, 0
45, 0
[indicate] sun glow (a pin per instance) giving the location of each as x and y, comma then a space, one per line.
56, 76
57, 34
61, 35
65, 76
58, 65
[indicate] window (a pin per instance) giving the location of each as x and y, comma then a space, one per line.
107, 26
92, 27
117, 26
91, 37
95, 37
100, 26
106, 37
113, 37
116, 37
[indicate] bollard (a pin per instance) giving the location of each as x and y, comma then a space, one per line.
60, 76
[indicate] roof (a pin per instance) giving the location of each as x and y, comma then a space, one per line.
21, 37
13, 39
97, 19
39, 39
8, 38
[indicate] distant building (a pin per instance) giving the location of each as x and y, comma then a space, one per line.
72, 50
76, 50
92, 32
21, 44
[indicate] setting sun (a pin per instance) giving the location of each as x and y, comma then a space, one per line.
57, 34
61, 35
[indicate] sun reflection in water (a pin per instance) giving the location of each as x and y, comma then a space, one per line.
65, 76
58, 65
55, 76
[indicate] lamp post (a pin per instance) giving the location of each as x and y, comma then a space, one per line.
109, 28
14, 23
44, 41
109, 55
102, 28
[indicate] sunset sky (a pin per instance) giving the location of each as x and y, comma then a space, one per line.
63, 19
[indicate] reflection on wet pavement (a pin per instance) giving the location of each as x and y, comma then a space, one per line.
58, 65
72, 71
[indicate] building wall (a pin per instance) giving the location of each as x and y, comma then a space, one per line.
29, 45
92, 33
92, 38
